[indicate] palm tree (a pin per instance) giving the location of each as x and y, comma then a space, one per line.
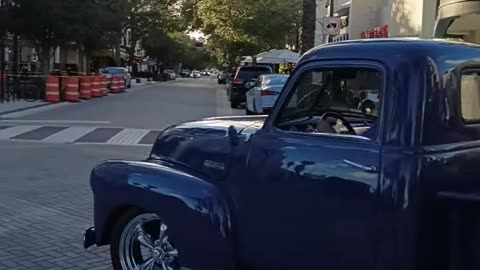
308, 25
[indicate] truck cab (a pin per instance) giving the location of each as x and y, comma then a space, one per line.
323, 182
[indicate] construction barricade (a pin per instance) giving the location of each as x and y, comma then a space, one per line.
96, 87
104, 85
122, 85
85, 88
52, 93
116, 85
72, 93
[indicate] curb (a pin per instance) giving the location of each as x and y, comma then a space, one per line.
26, 108
14, 111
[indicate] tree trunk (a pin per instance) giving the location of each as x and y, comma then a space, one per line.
131, 59
2, 78
131, 52
117, 51
15, 54
87, 62
308, 25
81, 57
297, 38
45, 59
63, 57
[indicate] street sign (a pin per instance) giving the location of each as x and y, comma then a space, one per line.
331, 25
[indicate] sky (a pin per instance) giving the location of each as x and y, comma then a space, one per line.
196, 34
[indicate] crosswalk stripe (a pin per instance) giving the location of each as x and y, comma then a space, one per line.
128, 136
80, 135
14, 131
69, 135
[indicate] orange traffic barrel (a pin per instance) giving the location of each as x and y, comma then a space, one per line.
115, 86
71, 93
85, 88
122, 84
104, 85
96, 87
52, 93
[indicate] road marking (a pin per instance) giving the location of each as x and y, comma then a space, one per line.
69, 135
39, 133
15, 131
128, 136
100, 135
79, 135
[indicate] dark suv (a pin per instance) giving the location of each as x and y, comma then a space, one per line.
237, 90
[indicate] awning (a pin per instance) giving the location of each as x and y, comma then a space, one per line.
278, 57
457, 17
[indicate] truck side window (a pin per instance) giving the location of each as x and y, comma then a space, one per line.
344, 101
470, 96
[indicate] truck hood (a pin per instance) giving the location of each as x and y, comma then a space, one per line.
205, 146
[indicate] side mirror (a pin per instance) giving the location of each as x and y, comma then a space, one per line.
249, 85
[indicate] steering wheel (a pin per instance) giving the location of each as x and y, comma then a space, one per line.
345, 123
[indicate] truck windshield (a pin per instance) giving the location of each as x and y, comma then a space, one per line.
352, 92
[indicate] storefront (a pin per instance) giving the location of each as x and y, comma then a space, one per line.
377, 32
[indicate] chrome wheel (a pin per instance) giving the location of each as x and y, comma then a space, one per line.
144, 245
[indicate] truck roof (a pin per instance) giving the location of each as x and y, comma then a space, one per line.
384, 49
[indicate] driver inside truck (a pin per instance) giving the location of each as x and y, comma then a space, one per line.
372, 131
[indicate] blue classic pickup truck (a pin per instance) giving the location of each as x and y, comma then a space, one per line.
329, 180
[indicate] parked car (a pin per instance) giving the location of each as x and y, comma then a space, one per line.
122, 72
195, 74
222, 78
171, 74
185, 73
205, 73
317, 184
236, 90
263, 92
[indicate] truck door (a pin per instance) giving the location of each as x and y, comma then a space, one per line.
308, 200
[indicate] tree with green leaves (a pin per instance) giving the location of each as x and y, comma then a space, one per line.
101, 25
145, 16
47, 23
236, 28
174, 48
308, 25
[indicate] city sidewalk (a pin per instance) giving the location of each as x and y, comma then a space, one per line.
21, 105
143, 81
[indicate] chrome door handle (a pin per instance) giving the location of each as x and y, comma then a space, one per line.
368, 169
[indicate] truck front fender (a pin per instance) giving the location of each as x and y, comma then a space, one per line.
195, 211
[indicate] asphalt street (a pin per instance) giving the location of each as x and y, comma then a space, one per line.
46, 158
